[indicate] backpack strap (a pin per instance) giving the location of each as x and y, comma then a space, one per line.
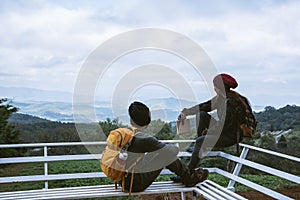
135, 132
131, 168
121, 140
128, 143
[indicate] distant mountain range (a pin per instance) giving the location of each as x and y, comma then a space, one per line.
167, 110
57, 105
271, 119
23, 94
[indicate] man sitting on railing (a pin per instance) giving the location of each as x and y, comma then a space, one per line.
224, 132
155, 155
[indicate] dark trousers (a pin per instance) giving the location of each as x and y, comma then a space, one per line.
204, 120
152, 164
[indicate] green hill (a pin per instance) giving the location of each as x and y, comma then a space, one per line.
284, 118
26, 119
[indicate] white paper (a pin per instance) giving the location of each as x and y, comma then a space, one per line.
183, 126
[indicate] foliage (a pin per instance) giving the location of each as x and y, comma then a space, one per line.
284, 118
109, 125
268, 181
157, 128
8, 134
33, 129
26, 119
160, 130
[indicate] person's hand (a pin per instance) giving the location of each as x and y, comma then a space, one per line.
204, 132
183, 114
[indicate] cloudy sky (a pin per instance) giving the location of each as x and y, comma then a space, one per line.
44, 44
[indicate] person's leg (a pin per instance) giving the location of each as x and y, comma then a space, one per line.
210, 142
203, 122
186, 176
146, 171
195, 159
140, 180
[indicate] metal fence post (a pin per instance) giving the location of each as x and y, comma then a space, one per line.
237, 168
45, 166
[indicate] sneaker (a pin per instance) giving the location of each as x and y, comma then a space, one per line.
198, 175
202, 174
190, 149
176, 179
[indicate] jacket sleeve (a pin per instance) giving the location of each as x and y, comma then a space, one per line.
152, 144
205, 106
145, 143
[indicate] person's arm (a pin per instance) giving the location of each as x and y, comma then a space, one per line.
153, 144
143, 143
205, 106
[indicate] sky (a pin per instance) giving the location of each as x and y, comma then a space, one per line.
45, 44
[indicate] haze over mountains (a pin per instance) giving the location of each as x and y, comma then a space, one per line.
57, 105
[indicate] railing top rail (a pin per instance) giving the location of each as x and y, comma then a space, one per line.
293, 158
75, 144
51, 144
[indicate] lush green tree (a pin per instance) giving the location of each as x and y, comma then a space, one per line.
284, 118
8, 134
109, 125
270, 108
282, 142
160, 129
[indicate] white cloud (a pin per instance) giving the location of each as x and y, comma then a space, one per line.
44, 43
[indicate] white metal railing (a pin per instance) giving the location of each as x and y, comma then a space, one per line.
241, 160
46, 158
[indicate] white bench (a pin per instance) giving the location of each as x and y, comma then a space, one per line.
92, 192
206, 189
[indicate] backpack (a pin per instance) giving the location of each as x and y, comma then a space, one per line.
249, 125
113, 160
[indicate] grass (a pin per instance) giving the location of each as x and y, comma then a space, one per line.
62, 167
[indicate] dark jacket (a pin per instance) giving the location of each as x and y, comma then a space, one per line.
143, 143
151, 157
230, 111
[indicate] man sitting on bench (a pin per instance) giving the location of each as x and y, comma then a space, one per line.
155, 155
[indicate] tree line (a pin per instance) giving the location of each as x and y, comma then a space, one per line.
21, 128
284, 118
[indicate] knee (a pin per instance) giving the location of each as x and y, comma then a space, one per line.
172, 149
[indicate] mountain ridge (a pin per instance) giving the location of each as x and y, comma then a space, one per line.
287, 117
58, 106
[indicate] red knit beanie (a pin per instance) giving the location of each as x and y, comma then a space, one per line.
226, 80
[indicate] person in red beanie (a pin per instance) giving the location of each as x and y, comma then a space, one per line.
225, 131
